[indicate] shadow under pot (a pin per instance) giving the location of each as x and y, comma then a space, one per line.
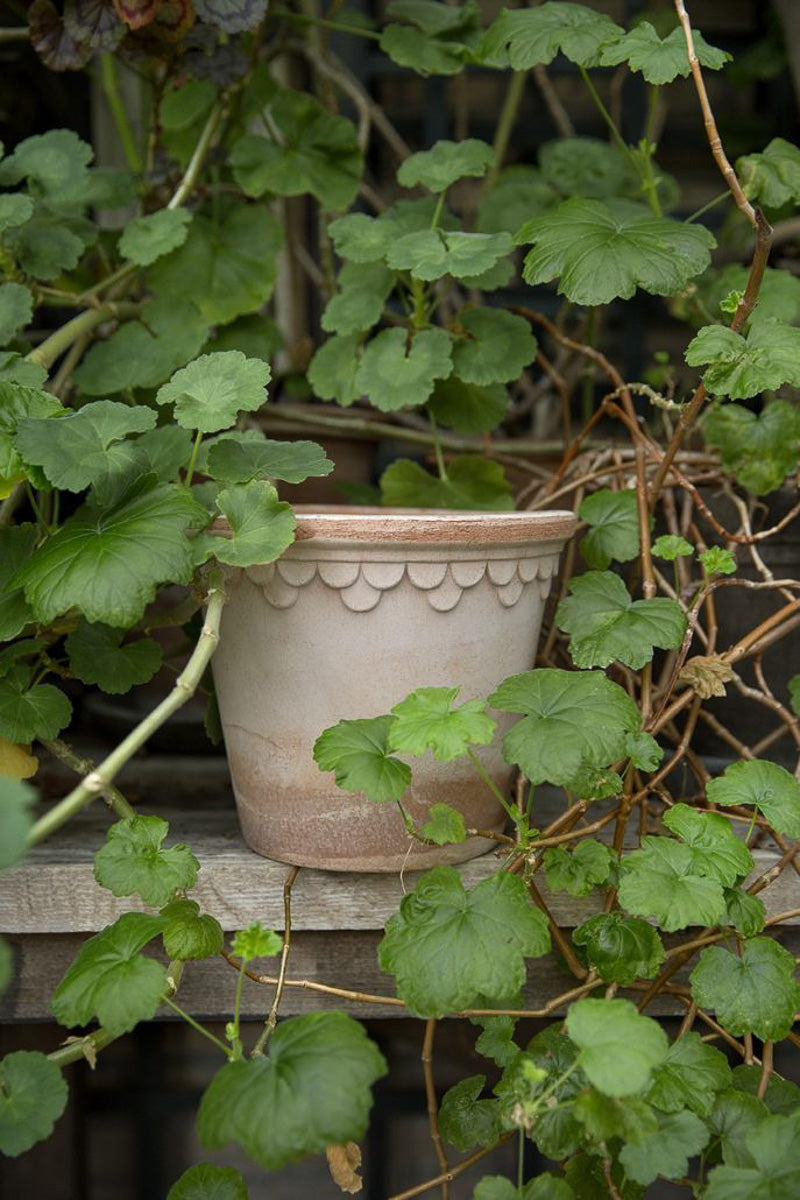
366, 606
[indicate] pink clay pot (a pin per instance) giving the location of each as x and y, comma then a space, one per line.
364, 607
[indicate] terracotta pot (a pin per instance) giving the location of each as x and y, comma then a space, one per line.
366, 606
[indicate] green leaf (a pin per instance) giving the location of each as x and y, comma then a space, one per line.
17, 403
495, 1187
16, 800
680, 1135
746, 913
240, 457
526, 38
441, 42
661, 60
164, 452
465, 1121
670, 546
644, 751
497, 349
188, 933
548, 1186
312, 1090
358, 304
228, 267
584, 166
794, 694
518, 194
573, 720
718, 853
619, 1048
497, 1039
96, 655
145, 352
606, 625
773, 176
577, 871
256, 336
472, 483
33, 1095
54, 163
150, 237
662, 881
16, 369
765, 784
690, 1076
256, 942
614, 533
760, 450
6, 964
444, 825
436, 169
782, 1095
358, 753
318, 153
16, 545
466, 407
360, 238
14, 210
111, 980
209, 394
333, 369
109, 562
605, 1118
733, 1115
45, 246
434, 253
753, 993
426, 720
448, 947
620, 948
739, 367
261, 526
601, 250
770, 1172
208, 1182
84, 447
27, 713
16, 310
395, 375
134, 862
584, 1173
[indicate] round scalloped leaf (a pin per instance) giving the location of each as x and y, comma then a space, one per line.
577, 871
358, 753
86, 447
426, 720
150, 237
97, 655
666, 1151
358, 304
28, 713
471, 483
15, 209
261, 526
188, 933
619, 1048
765, 784
16, 310
465, 1121
773, 176
755, 992
333, 369
738, 367
240, 457
588, 167
44, 247
210, 392
395, 375
18, 402
95, 22
33, 1095
433, 253
620, 948
606, 625
663, 880
760, 450
530, 37
55, 162
231, 16
436, 169
16, 545
690, 1076
205, 1181
52, 40
16, 800
466, 407
497, 349
134, 862
718, 852
444, 825
614, 528
764, 1167
145, 352
661, 60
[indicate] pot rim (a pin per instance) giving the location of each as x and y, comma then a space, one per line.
327, 522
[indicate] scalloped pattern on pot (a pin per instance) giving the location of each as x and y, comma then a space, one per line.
362, 584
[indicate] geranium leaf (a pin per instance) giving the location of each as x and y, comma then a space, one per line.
27, 713
16, 310
444, 825
690, 1076
261, 526
573, 720
467, 407
164, 452
15, 209
257, 336
134, 862
472, 483
606, 625
313, 1089
358, 304
768, 1171
765, 784
661, 60
17, 403
188, 933
231, 16
360, 238
614, 528
666, 1151
662, 881
619, 1048
782, 1095
620, 948
670, 546
44, 247
86, 447
358, 753
643, 751
773, 176
16, 369
733, 1115
256, 942
240, 457
96, 655
753, 993
227, 267
333, 370
518, 194
16, 800
145, 352
395, 375
760, 450
465, 1121
209, 394
108, 562
601, 250
111, 980
95, 22
739, 367
16, 545
150, 237
54, 163
746, 913
447, 947
605, 1118
718, 853
577, 871
532, 36
439, 45
432, 253
33, 1095
496, 1040
208, 1182
585, 167
497, 348
436, 169
426, 720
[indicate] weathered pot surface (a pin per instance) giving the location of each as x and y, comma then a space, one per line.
364, 607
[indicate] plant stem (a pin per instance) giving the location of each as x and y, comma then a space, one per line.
195, 451
110, 85
709, 205
235, 1039
84, 1047
85, 766
272, 1019
196, 1025
505, 124
606, 115
437, 212
98, 781
336, 26
521, 1160
437, 447
432, 1105
479, 767
14, 35
195, 165
47, 353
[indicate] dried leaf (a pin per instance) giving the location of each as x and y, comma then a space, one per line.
88, 1048
343, 1164
56, 47
16, 762
707, 675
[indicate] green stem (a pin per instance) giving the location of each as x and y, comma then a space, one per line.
655, 92
235, 1039
176, 1008
14, 35
85, 1047
118, 276
185, 687
706, 207
193, 459
50, 349
521, 1161
419, 317
505, 124
437, 212
479, 767
110, 85
605, 114
437, 448
85, 766
337, 26
195, 164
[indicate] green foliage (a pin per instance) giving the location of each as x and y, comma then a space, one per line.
671, 546
33, 1095
753, 993
436, 169
614, 528
256, 942
150, 237
733, 1115
97, 655
497, 1039
111, 980
438, 38
667, 1150
690, 1077
261, 526
358, 753
466, 407
738, 367
16, 310
668, 881
240, 457
471, 483
16, 545
312, 1090
358, 304
145, 352
28, 712
209, 393
433, 253
208, 1182
767, 1171
133, 861
767, 785
718, 852
661, 60
447, 947
619, 1048
746, 913
620, 948
188, 933
606, 625
396, 375
426, 720
465, 1121
16, 800
496, 348
772, 177
526, 38
759, 450
577, 871
444, 824
16, 404
782, 1096
333, 369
